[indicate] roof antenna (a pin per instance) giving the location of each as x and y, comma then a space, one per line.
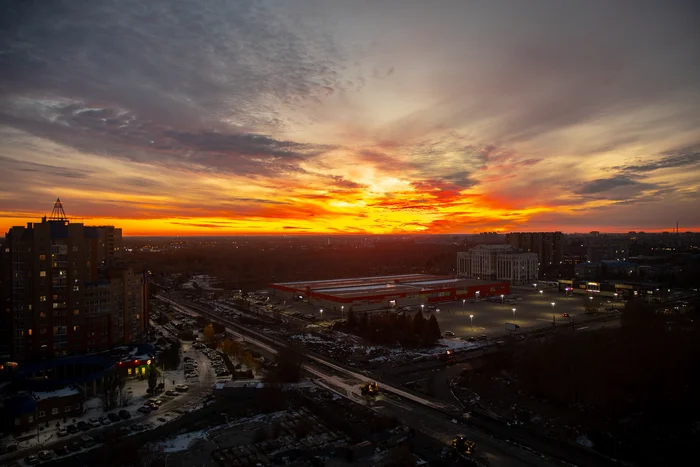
58, 214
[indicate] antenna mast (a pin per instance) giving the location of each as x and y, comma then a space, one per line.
58, 214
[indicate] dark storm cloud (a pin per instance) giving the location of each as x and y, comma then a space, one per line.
45, 170
605, 184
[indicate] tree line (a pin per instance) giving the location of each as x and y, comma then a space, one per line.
395, 328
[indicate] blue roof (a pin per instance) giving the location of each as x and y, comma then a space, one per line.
22, 375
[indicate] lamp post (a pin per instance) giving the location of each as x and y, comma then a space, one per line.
471, 319
502, 297
342, 307
463, 302
421, 307
513, 314
321, 314
553, 305
541, 291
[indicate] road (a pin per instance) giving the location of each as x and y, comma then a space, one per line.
437, 419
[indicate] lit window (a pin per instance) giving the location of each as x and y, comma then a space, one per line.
76, 288
42, 298
143, 371
128, 371
29, 332
75, 328
76, 312
42, 257
42, 315
42, 274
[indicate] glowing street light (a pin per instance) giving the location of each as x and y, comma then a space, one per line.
541, 291
463, 302
421, 307
502, 296
513, 313
321, 310
553, 304
471, 319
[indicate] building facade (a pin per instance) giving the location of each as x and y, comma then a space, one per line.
501, 263
549, 246
60, 293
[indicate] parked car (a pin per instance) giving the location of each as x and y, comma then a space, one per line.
449, 334
472, 339
113, 417
104, 420
565, 315
45, 455
62, 432
84, 426
124, 414
75, 446
94, 422
136, 427
145, 409
72, 429
181, 387
31, 460
87, 441
483, 337
171, 393
61, 451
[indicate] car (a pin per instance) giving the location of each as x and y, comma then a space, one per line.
84, 426
449, 334
483, 337
155, 401
124, 414
61, 451
472, 339
145, 409
104, 420
136, 427
87, 441
72, 429
171, 393
113, 417
31, 460
565, 315
75, 446
62, 432
181, 387
94, 422
45, 455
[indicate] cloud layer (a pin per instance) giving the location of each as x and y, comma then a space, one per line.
225, 116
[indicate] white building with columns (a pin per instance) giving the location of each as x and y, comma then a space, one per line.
499, 263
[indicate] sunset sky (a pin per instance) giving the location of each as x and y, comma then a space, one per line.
214, 117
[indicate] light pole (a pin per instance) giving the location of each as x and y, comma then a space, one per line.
502, 296
463, 302
342, 307
421, 307
553, 305
321, 314
513, 314
541, 291
471, 319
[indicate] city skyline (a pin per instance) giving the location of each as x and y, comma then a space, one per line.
219, 117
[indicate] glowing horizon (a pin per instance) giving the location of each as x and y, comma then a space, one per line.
303, 117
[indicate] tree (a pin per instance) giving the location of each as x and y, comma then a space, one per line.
352, 319
109, 393
153, 377
431, 332
364, 322
418, 324
209, 335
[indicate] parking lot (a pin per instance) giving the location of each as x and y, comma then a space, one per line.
532, 310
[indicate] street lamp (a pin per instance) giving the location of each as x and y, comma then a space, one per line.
513, 314
321, 310
421, 307
471, 319
342, 307
541, 292
463, 302
502, 296
553, 305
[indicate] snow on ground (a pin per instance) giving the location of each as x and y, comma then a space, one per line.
584, 441
181, 442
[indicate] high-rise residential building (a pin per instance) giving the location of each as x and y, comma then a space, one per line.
64, 290
498, 262
549, 246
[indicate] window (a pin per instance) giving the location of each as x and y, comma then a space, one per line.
42, 314
42, 414
54, 411
76, 288
42, 298
30, 419
67, 408
128, 371
42, 257
42, 274
77, 406
76, 312
29, 332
